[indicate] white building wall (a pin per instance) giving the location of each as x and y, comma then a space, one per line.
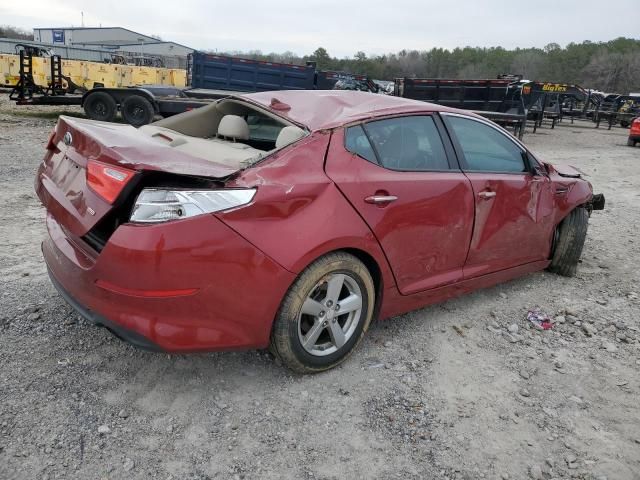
89, 36
46, 35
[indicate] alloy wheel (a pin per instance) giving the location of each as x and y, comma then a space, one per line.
330, 314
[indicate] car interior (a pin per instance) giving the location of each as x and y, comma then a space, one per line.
229, 132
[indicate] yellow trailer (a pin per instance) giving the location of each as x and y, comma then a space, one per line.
91, 74
178, 77
9, 70
75, 70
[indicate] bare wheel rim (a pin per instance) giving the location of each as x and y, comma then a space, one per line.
100, 108
330, 314
136, 112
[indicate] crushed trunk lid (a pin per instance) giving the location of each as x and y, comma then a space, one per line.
61, 183
125, 146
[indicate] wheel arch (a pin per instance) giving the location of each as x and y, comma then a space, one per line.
370, 262
578, 196
376, 275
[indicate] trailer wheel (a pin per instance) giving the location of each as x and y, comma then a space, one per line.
100, 106
137, 110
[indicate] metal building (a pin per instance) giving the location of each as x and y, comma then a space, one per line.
110, 38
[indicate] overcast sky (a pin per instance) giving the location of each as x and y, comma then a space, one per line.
343, 27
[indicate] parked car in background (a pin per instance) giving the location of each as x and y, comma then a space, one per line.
292, 219
634, 133
357, 83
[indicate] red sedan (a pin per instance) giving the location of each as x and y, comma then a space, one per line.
634, 133
291, 219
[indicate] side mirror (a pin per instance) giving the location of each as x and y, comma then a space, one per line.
538, 171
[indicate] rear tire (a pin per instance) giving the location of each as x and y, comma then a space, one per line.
137, 110
631, 143
571, 234
100, 106
341, 323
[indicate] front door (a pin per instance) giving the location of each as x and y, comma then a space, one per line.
513, 206
396, 174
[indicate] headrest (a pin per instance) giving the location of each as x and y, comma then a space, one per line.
233, 126
289, 135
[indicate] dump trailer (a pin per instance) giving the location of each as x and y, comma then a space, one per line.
614, 109
552, 101
221, 72
499, 100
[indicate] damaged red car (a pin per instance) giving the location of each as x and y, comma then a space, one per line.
292, 219
634, 133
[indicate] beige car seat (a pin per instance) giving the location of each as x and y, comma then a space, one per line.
233, 127
289, 135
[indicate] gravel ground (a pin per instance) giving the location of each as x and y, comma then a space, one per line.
460, 390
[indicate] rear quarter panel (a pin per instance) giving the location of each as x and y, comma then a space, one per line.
298, 213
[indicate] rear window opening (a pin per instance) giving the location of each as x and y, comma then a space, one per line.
229, 132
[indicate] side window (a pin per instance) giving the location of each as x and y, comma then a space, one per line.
356, 141
485, 148
408, 143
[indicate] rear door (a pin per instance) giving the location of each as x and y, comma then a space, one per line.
513, 204
397, 174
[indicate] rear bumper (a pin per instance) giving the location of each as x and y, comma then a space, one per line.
128, 336
185, 286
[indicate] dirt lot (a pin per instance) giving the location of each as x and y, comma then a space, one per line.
461, 390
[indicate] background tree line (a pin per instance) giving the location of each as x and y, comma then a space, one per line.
612, 66
7, 31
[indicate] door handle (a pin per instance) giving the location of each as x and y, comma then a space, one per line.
487, 194
380, 199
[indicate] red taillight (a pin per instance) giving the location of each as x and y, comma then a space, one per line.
635, 127
107, 180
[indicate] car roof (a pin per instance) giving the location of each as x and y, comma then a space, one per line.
326, 109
